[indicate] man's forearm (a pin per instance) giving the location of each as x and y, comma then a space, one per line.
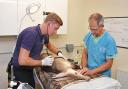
103, 67
52, 48
30, 62
84, 59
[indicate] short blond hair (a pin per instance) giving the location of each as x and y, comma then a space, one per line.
54, 17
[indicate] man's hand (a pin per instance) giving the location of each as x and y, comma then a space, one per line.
86, 71
89, 72
82, 71
47, 61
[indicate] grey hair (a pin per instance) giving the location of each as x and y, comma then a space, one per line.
98, 17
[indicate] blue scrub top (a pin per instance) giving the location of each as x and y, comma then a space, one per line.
32, 40
99, 50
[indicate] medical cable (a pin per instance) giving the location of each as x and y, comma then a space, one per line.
48, 41
30, 12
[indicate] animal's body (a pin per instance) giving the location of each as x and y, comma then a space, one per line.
65, 68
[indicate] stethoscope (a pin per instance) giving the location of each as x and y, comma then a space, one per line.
48, 41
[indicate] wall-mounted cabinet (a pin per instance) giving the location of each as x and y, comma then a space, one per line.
15, 14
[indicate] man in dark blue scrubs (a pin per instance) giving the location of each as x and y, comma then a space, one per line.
29, 45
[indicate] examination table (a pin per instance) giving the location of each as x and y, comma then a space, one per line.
45, 80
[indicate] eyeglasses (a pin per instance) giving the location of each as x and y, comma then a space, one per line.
93, 28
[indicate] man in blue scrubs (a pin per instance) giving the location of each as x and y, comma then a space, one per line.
99, 48
29, 45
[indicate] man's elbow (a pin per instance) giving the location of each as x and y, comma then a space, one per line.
110, 64
22, 61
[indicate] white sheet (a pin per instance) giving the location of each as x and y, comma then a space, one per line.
97, 83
